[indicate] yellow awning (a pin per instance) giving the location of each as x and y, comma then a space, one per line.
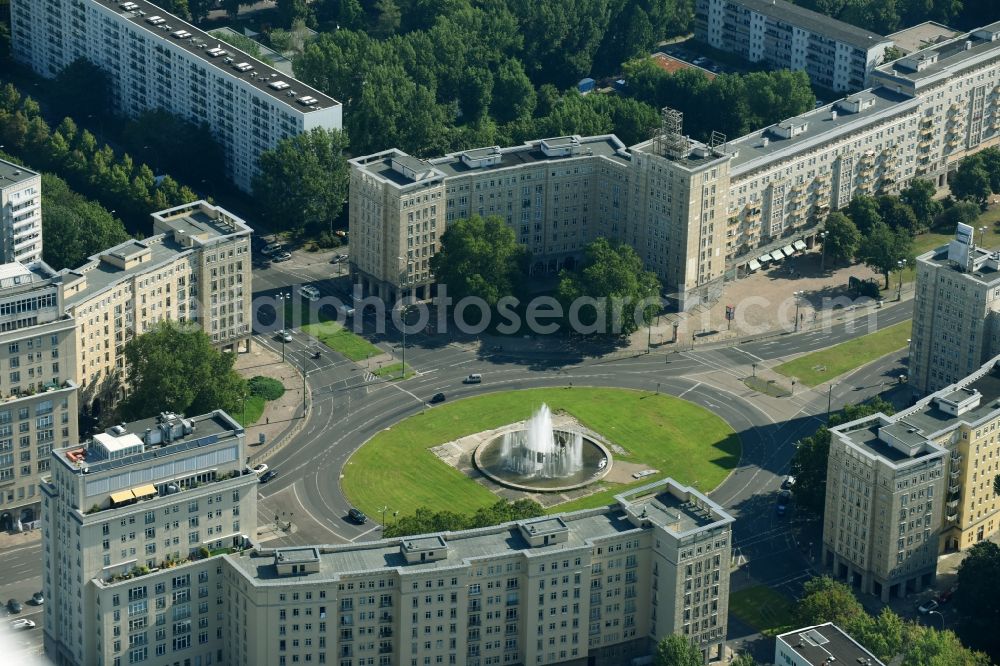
144, 491
123, 496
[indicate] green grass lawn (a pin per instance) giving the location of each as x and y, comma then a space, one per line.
824, 365
341, 340
680, 439
928, 241
769, 612
393, 371
254, 409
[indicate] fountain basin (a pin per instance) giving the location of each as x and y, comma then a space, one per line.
595, 463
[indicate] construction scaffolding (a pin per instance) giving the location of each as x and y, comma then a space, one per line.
669, 140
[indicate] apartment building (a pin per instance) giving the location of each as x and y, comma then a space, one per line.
135, 522
835, 55
194, 268
696, 213
956, 323
885, 495
821, 645
20, 214
38, 407
155, 60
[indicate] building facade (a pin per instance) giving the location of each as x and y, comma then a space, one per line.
956, 313
885, 494
38, 401
821, 645
155, 60
696, 213
20, 214
135, 521
836, 55
196, 267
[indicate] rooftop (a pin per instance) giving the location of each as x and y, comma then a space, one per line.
200, 220
921, 36
823, 644
985, 264
815, 22
13, 174
16, 274
816, 127
230, 61
678, 509
945, 57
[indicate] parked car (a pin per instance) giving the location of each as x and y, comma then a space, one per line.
284, 256
928, 606
284, 336
14, 606
272, 248
268, 475
784, 497
309, 292
438, 398
357, 516
22, 623
945, 596
788, 482
260, 469
37, 599
345, 310
335, 259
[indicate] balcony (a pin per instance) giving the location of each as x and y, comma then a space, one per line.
952, 517
952, 504
954, 488
954, 473
956, 458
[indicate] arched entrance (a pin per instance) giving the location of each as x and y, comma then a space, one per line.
6, 522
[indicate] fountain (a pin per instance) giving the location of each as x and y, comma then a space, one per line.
538, 451
539, 457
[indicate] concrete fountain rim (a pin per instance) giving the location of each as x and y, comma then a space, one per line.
517, 427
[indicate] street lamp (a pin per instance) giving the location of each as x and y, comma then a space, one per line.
934, 612
402, 316
798, 303
829, 402
282, 297
382, 511
822, 258
899, 291
982, 233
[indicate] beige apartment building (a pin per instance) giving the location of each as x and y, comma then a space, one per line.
38, 406
128, 518
20, 214
934, 465
194, 268
697, 214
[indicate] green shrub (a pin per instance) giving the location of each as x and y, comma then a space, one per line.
266, 387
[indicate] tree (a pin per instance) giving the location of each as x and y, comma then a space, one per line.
971, 181
892, 53
744, 659
842, 238
513, 94
302, 182
882, 635
290, 11
924, 646
996, 484
882, 248
864, 212
480, 257
388, 17
614, 275
919, 195
675, 650
991, 162
199, 9
959, 212
175, 368
241, 42
897, 214
73, 227
423, 520
827, 600
977, 598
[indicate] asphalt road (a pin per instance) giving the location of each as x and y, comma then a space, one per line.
20, 578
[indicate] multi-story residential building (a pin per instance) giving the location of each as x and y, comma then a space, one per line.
20, 214
821, 645
885, 495
590, 587
155, 60
697, 214
956, 313
836, 55
195, 267
134, 522
38, 407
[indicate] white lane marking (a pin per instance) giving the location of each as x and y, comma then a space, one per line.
689, 390
316, 520
364, 533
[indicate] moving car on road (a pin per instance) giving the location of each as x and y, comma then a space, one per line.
309, 292
37, 599
357, 516
284, 336
268, 475
22, 623
260, 469
473, 379
14, 606
438, 398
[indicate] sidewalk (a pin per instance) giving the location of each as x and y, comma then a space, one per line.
12, 540
281, 418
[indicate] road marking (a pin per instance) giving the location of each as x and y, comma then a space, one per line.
689, 390
316, 520
364, 533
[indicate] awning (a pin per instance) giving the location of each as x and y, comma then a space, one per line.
754, 265
799, 244
777, 256
123, 496
144, 491
764, 258
788, 250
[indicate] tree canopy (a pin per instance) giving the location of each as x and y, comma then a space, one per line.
175, 368
614, 273
978, 596
480, 257
842, 238
423, 520
675, 650
73, 226
883, 248
303, 181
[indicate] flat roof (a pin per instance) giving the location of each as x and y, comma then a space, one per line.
821, 126
12, 174
921, 36
815, 22
302, 554
260, 76
950, 55
201, 225
112, 443
670, 64
816, 645
982, 272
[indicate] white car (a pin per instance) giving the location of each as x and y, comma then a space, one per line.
284, 336
309, 292
260, 469
22, 623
